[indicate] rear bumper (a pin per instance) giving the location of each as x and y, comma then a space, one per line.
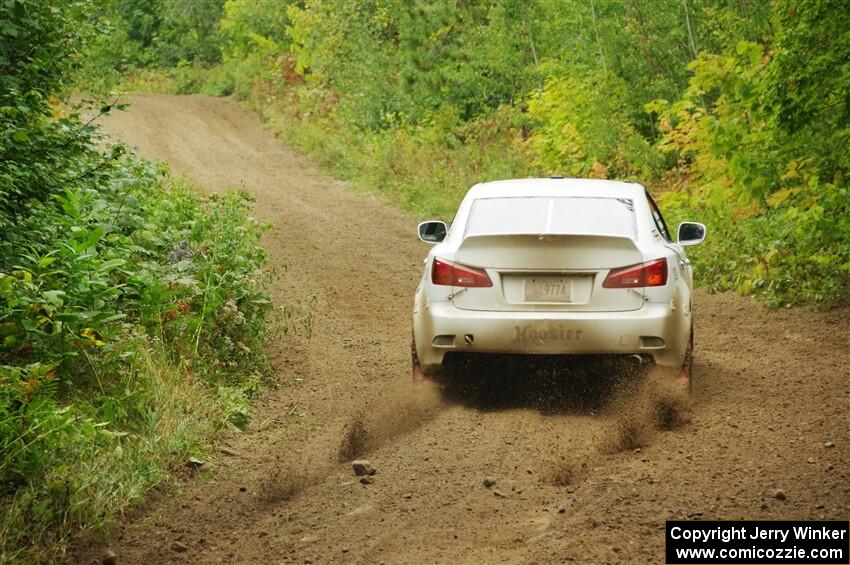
653, 329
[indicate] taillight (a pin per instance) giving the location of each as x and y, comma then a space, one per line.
653, 273
453, 274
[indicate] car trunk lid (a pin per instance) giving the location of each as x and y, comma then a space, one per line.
550, 253
548, 272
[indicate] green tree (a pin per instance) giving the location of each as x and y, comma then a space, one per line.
40, 44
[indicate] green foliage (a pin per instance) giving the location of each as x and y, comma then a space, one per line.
737, 112
72, 467
130, 250
754, 142
809, 81
786, 255
248, 26
94, 273
392, 62
187, 31
580, 130
133, 34
39, 46
132, 308
763, 135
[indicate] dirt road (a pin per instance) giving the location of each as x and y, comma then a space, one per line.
771, 395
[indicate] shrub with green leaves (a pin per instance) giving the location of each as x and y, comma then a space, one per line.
104, 279
132, 308
583, 128
765, 159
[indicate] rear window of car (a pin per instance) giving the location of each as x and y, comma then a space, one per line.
548, 215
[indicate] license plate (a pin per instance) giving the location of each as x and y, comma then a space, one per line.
547, 289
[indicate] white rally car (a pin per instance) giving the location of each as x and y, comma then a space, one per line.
556, 266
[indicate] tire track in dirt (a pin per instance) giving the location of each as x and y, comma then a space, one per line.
586, 481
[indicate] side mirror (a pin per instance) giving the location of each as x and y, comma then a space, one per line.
691, 233
433, 231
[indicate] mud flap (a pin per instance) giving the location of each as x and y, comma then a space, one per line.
684, 376
416, 368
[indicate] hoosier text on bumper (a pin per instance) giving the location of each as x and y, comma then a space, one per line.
525, 334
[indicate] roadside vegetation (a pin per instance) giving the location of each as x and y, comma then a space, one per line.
132, 308
737, 113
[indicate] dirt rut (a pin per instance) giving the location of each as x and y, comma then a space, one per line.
579, 477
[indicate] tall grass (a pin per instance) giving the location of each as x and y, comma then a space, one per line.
100, 470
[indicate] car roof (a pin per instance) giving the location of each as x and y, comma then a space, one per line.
556, 187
